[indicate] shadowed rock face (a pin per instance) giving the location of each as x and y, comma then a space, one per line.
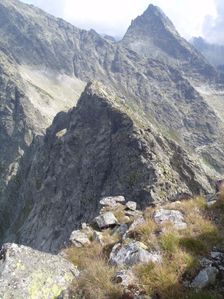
105, 149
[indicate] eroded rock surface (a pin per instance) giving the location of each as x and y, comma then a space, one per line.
27, 273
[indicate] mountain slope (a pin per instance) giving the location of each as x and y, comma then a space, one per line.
57, 172
159, 88
79, 161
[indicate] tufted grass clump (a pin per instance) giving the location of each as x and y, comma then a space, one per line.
169, 241
164, 279
95, 281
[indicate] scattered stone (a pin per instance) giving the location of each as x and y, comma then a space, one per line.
98, 237
205, 278
79, 238
125, 278
28, 273
175, 217
121, 229
112, 200
133, 253
131, 205
106, 220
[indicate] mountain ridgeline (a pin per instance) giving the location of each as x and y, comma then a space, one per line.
149, 126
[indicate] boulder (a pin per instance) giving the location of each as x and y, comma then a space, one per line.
175, 217
133, 253
131, 205
28, 273
79, 238
205, 278
112, 200
106, 220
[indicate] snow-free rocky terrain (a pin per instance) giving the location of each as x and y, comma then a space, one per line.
84, 117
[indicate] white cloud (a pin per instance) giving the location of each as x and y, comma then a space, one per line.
213, 29
114, 17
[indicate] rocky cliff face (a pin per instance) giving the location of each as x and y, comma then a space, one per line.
147, 145
99, 148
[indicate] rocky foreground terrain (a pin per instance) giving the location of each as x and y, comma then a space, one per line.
174, 250
135, 126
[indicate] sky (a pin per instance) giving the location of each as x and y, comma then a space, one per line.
191, 17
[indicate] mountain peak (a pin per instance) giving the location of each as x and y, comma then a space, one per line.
151, 23
153, 9
153, 35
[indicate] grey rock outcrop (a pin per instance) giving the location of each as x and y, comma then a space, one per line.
27, 273
133, 253
205, 278
176, 218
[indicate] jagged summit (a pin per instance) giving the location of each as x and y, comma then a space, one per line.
153, 24
153, 13
153, 35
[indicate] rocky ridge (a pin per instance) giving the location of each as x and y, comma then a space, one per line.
78, 161
54, 60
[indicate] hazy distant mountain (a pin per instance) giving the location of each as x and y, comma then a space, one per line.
214, 53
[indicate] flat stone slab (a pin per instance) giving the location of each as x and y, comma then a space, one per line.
106, 220
175, 217
28, 273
